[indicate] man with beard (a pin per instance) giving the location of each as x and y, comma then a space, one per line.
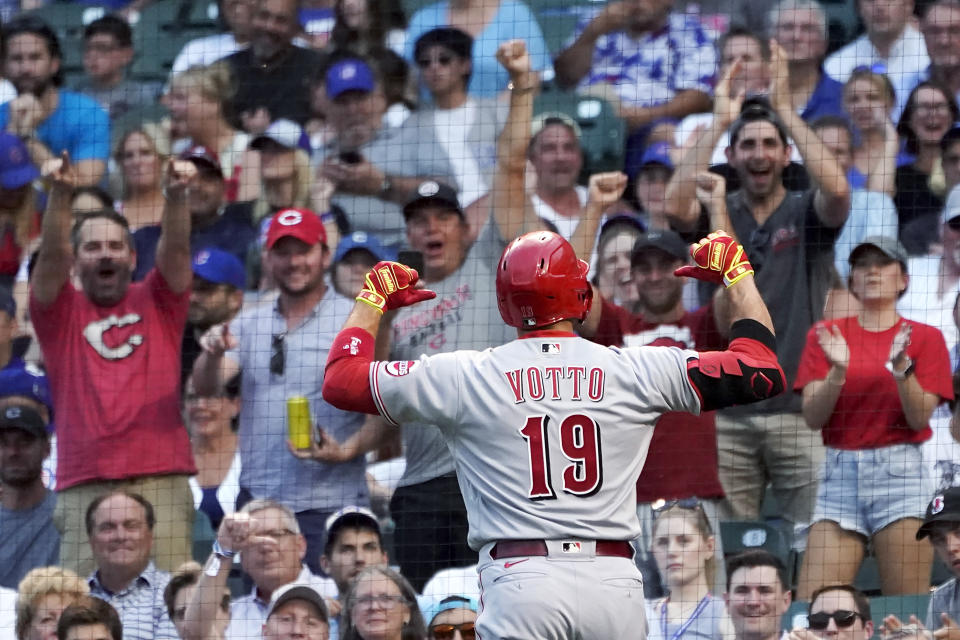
272, 75
49, 119
281, 348
663, 321
788, 236
112, 351
631, 52
26, 506
215, 297
213, 222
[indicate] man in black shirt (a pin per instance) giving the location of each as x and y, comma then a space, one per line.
272, 75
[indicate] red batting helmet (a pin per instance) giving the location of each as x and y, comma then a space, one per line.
540, 281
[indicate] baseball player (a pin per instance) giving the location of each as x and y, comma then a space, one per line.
549, 432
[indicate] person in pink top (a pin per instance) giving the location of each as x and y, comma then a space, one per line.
112, 351
870, 383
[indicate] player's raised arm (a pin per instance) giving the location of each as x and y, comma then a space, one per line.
748, 371
389, 285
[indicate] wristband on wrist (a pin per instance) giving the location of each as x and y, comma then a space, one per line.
520, 90
220, 551
832, 378
900, 376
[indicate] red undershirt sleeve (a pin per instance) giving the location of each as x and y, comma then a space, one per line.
346, 381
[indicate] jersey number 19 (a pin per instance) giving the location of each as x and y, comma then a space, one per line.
580, 444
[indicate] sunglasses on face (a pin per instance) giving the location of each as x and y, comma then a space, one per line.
954, 223
445, 631
844, 619
443, 61
278, 355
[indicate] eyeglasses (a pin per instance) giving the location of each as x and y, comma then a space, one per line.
844, 619
954, 223
278, 355
384, 601
445, 631
277, 534
443, 61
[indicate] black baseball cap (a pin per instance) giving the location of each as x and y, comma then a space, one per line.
945, 507
18, 416
432, 192
667, 241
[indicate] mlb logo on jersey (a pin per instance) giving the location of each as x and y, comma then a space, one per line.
549, 347
571, 547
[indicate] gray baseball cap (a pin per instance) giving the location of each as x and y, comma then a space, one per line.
887, 245
298, 591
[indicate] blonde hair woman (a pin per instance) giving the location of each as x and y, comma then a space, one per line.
140, 156
42, 596
199, 102
684, 548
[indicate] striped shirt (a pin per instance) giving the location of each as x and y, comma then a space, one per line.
140, 605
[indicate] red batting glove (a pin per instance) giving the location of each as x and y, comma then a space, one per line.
717, 258
390, 285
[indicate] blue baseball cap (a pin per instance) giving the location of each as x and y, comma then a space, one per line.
220, 267
28, 380
657, 153
365, 241
351, 74
432, 608
16, 167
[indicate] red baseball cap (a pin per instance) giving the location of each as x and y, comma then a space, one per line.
301, 224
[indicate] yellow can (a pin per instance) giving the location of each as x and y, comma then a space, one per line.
298, 421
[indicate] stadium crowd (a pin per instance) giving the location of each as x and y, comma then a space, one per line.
178, 252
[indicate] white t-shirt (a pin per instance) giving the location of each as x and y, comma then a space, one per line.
453, 127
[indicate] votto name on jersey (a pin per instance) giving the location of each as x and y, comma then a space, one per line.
570, 382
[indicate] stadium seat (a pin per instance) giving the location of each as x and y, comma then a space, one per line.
203, 537
602, 131
796, 615
743, 535
901, 606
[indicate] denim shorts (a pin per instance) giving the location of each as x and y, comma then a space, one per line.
864, 491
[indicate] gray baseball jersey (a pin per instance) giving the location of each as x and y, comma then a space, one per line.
549, 432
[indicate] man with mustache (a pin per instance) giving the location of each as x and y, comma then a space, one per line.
112, 351
120, 527
47, 118
789, 236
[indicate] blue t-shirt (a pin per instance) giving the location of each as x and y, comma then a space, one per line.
826, 100
512, 21
78, 124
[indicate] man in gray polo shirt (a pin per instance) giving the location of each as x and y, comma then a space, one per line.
281, 349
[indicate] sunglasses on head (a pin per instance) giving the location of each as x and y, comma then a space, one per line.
820, 620
445, 631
